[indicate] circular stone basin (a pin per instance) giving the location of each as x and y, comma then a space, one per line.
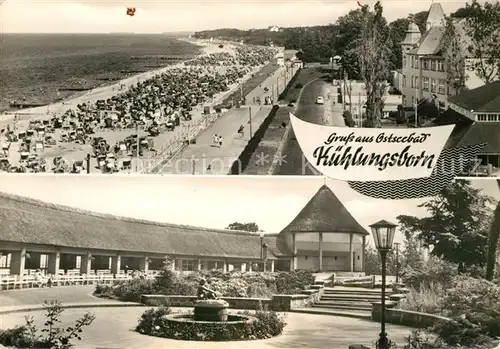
211, 310
192, 330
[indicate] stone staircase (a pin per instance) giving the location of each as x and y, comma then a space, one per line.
346, 301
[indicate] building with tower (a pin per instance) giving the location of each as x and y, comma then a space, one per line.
424, 74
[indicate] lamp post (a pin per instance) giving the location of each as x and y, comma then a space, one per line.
396, 247
263, 251
383, 234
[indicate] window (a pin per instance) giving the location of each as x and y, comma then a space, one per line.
425, 64
188, 265
412, 61
5, 260
433, 65
440, 65
441, 87
44, 261
425, 83
492, 117
482, 117
404, 80
404, 60
414, 82
215, 265
433, 85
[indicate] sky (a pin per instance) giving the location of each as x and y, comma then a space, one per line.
159, 16
205, 201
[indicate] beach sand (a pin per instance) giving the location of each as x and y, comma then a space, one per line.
77, 152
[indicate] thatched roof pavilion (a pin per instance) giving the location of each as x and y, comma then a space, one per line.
325, 213
324, 228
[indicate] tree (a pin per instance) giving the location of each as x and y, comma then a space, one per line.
397, 31
482, 26
373, 57
493, 238
461, 13
373, 262
456, 227
454, 57
411, 255
349, 32
252, 227
420, 19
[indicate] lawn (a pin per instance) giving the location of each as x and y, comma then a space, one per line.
275, 133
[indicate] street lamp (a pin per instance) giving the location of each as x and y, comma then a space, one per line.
396, 247
263, 251
383, 234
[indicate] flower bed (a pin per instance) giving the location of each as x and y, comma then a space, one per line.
234, 284
161, 322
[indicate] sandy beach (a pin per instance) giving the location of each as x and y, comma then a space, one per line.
71, 151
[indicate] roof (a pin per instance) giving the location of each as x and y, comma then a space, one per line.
289, 54
413, 28
31, 221
485, 98
462, 125
483, 132
435, 16
430, 42
325, 213
412, 35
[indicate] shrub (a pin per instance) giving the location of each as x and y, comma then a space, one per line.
233, 284
299, 85
460, 332
152, 320
468, 294
434, 271
53, 335
269, 324
293, 282
425, 299
131, 290
259, 290
104, 291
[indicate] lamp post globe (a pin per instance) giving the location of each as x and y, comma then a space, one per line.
383, 235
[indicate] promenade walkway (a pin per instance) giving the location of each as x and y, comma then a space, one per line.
206, 158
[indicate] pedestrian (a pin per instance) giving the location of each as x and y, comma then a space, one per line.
220, 141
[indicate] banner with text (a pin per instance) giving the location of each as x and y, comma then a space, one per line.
371, 154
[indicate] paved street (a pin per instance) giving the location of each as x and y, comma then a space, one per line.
308, 110
205, 158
